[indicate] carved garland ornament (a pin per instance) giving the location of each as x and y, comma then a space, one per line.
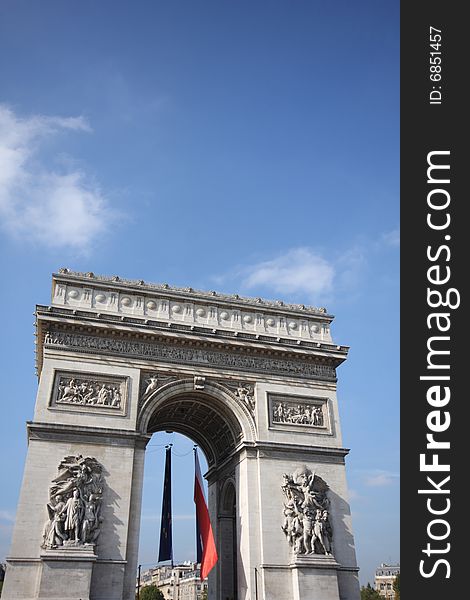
74, 505
306, 516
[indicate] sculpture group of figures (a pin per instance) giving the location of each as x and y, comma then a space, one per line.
81, 391
246, 395
74, 504
306, 515
300, 414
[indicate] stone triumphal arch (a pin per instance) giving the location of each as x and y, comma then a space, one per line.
252, 382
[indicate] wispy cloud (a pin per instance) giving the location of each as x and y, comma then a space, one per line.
379, 478
299, 273
305, 272
299, 270
55, 209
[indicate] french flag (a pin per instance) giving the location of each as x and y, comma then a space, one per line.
203, 524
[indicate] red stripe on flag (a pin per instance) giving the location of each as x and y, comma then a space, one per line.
209, 552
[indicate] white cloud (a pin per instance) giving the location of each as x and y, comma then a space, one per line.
380, 478
56, 209
299, 270
306, 272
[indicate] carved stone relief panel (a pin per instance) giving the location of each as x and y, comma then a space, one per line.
89, 392
151, 381
298, 412
74, 506
306, 522
243, 391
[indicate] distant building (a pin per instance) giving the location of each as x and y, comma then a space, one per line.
190, 585
384, 578
180, 582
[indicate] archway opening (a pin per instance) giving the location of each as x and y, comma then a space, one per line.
202, 418
228, 541
184, 420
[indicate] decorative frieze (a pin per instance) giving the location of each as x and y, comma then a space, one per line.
74, 506
306, 522
185, 355
298, 411
87, 391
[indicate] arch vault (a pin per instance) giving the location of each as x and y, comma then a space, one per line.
252, 382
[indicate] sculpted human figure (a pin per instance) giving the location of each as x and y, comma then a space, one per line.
318, 416
288, 525
103, 395
152, 385
53, 534
278, 412
90, 519
74, 516
116, 401
309, 531
320, 532
91, 395
70, 391
298, 533
327, 532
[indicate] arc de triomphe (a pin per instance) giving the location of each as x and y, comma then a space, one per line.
252, 382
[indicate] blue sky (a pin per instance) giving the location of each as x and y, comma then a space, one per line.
247, 146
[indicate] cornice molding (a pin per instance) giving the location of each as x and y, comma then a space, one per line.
143, 325
86, 435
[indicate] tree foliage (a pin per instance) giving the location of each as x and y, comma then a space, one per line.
396, 587
368, 593
151, 592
